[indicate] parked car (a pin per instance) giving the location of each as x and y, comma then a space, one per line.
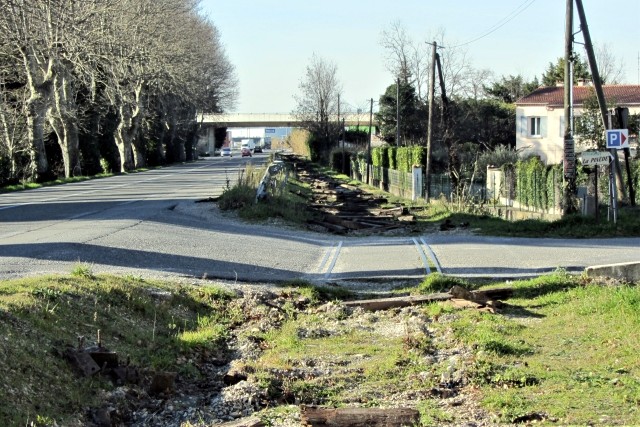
245, 152
226, 152
257, 149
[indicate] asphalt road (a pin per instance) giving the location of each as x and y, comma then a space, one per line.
143, 224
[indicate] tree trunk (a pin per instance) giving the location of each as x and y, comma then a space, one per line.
134, 125
39, 81
63, 121
138, 153
123, 141
36, 109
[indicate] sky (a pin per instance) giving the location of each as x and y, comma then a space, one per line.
271, 42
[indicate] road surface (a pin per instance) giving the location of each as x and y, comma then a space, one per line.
148, 224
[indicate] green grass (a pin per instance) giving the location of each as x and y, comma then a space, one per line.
565, 347
60, 181
149, 322
366, 364
430, 216
574, 226
288, 204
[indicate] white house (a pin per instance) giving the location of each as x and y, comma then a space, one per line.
540, 116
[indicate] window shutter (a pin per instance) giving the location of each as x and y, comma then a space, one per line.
523, 126
561, 126
543, 127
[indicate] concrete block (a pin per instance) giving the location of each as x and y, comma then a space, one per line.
629, 271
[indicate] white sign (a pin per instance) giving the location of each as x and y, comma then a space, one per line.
618, 138
593, 158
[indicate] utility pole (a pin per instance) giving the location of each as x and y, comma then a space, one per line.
369, 143
597, 83
432, 92
342, 138
569, 163
398, 112
338, 109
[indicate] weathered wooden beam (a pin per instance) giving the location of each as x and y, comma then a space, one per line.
312, 416
479, 298
397, 302
244, 422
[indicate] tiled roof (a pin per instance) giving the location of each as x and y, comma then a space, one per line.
620, 95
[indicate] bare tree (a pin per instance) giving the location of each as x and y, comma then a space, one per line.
24, 26
610, 68
398, 48
148, 62
13, 131
406, 59
318, 103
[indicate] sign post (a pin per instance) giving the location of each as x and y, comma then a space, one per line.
595, 159
616, 139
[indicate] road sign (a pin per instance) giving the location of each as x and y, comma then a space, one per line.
269, 130
593, 158
618, 138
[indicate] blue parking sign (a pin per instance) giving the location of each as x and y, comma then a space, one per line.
618, 138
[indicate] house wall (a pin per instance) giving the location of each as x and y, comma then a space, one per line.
549, 144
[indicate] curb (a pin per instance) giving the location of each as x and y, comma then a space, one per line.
629, 271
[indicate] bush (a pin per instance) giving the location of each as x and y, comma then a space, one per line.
335, 160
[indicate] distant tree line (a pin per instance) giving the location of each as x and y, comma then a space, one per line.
96, 85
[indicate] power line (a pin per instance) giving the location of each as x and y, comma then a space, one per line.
524, 6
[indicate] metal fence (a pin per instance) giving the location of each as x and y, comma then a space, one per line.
400, 184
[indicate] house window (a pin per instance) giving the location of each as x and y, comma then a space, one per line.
534, 126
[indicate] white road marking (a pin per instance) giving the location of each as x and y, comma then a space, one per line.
425, 262
432, 256
333, 261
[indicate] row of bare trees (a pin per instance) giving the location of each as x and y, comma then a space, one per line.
84, 82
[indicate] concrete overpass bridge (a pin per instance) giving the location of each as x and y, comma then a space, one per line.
272, 120
259, 120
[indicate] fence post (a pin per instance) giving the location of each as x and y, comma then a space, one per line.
416, 187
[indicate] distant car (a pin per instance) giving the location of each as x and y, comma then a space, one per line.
226, 152
245, 152
257, 149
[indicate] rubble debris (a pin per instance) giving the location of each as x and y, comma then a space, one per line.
345, 209
91, 360
162, 382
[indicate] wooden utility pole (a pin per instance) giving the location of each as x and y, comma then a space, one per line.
369, 143
343, 155
398, 112
432, 92
569, 158
597, 83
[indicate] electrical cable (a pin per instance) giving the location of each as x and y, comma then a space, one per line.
524, 6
